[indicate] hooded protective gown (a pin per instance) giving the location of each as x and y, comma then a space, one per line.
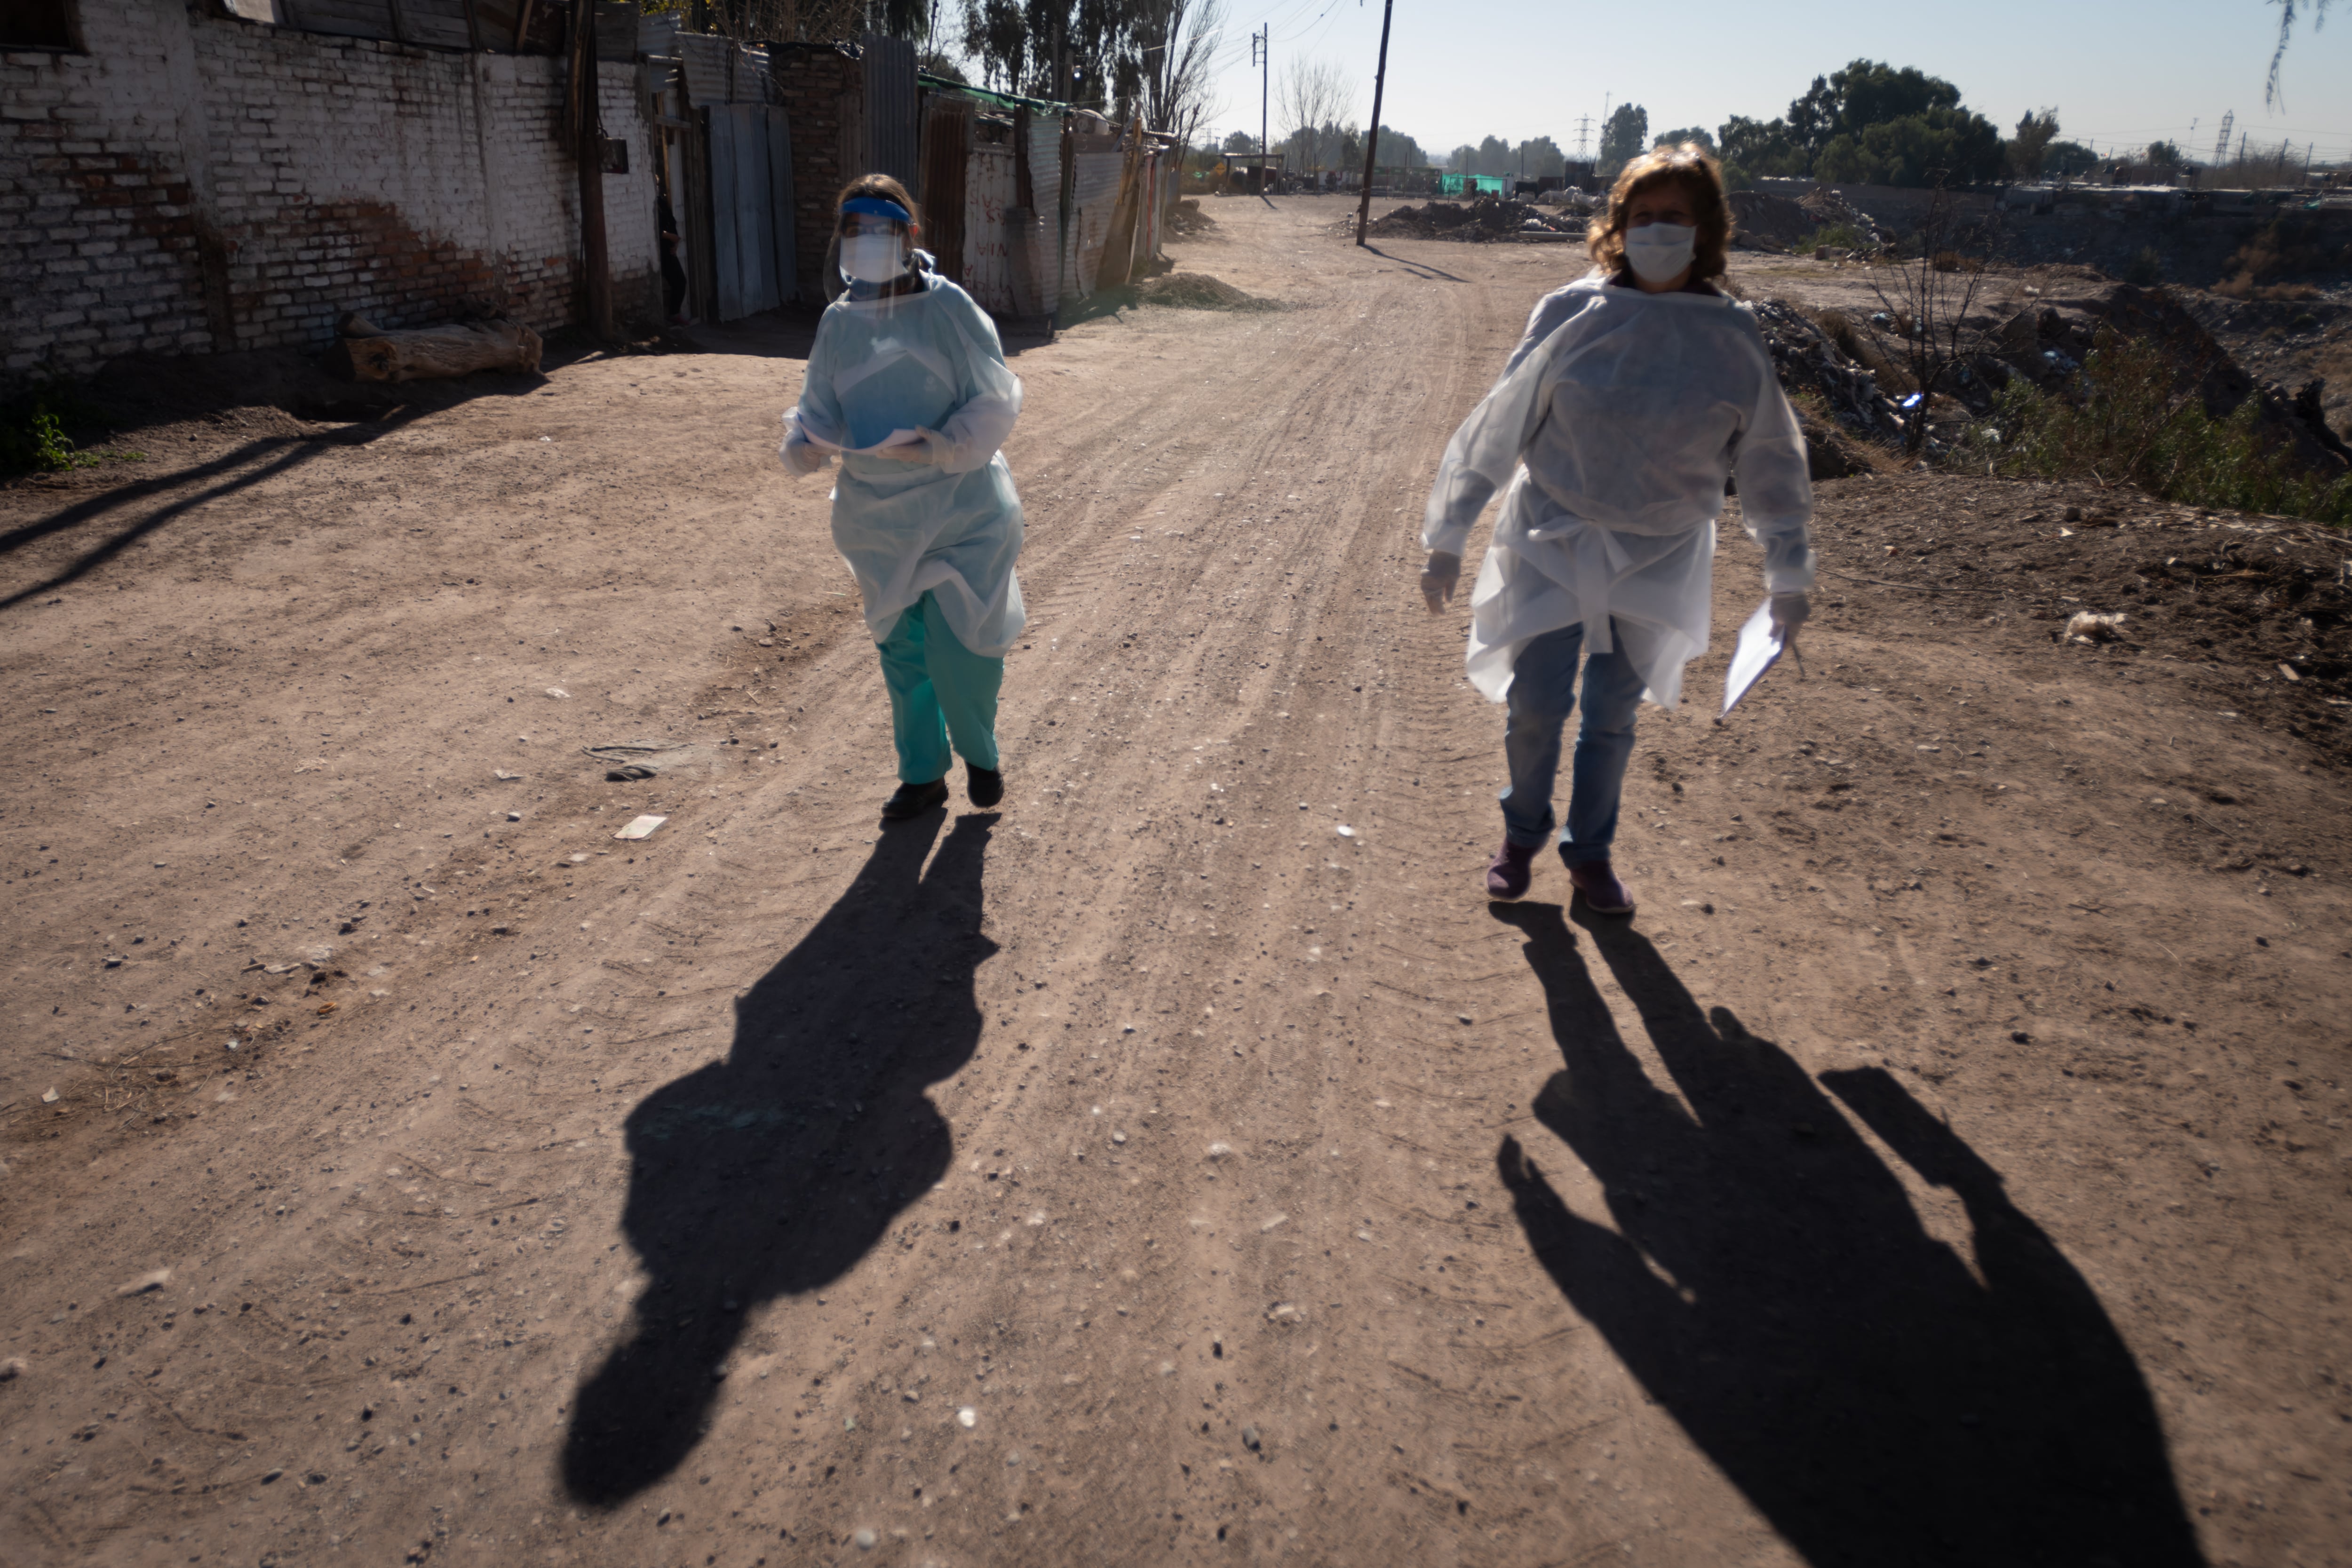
1628, 410
949, 526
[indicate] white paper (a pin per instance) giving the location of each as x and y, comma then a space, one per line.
1759, 646
895, 439
641, 827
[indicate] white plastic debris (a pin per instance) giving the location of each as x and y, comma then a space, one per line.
1345, 831
50, 1098
2087, 627
501, 773
641, 827
966, 1416
154, 1281
557, 691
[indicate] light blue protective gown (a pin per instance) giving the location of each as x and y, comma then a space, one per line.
950, 527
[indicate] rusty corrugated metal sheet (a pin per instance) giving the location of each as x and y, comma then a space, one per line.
1094, 192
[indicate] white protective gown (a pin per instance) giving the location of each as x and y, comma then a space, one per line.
1628, 410
951, 527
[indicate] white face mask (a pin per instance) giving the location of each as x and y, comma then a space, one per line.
873, 258
1657, 251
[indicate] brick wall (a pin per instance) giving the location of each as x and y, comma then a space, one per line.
822, 93
196, 185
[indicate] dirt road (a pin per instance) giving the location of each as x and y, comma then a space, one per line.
1184, 1163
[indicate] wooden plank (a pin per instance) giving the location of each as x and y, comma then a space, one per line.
755, 235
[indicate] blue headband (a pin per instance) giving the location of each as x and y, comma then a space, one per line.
877, 206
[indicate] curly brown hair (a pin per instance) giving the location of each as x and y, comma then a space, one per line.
1701, 178
883, 187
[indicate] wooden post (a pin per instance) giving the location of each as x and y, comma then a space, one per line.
1372, 141
589, 152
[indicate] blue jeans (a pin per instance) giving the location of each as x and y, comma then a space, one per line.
1542, 695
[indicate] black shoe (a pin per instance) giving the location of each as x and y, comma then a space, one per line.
914, 799
984, 785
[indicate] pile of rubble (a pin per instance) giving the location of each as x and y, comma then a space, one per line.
1487, 219
1810, 361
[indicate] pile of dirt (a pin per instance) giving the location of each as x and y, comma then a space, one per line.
1488, 219
1760, 221
1827, 209
2257, 608
1198, 291
1186, 219
2046, 341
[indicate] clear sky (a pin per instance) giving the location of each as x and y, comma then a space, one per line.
2116, 72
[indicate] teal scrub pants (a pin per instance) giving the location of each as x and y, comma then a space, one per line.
940, 690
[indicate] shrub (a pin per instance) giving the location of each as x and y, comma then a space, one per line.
33, 437
2147, 269
2126, 423
1837, 236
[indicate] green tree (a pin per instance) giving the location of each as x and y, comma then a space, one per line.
1625, 136
1869, 122
2068, 158
2027, 148
1241, 142
1539, 157
2163, 156
1698, 133
1462, 160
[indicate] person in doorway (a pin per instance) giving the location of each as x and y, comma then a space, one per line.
1635, 392
907, 383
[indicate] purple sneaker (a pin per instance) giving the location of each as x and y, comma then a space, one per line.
1603, 893
1509, 873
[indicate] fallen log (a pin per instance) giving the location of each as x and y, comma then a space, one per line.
429, 352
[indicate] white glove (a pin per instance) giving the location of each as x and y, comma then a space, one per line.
1790, 611
1439, 579
804, 456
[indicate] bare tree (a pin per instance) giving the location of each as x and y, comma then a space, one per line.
1930, 299
1314, 95
1178, 40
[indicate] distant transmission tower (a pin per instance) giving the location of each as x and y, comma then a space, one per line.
1583, 136
2222, 142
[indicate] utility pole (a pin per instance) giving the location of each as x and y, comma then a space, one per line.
1584, 135
1372, 142
1262, 54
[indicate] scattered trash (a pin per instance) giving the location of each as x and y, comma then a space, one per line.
1344, 831
966, 1416
145, 1283
2290, 672
50, 1098
2087, 627
1269, 1225
508, 777
580, 859
557, 691
866, 1540
514, 816
1220, 1150
641, 827
1283, 1312
1118, 1137
1250, 1438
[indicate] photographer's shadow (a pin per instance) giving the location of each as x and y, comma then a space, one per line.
771, 1173
1771, 1285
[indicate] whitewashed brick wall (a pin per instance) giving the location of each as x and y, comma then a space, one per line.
196, 185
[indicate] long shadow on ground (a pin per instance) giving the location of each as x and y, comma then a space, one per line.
774, 1171
1879, 1400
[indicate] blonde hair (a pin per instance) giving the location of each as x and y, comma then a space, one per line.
883, 187
1701, 178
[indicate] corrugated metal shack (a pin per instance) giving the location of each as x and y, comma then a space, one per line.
1033, 203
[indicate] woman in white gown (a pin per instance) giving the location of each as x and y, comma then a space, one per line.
1636, 392
907, 383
